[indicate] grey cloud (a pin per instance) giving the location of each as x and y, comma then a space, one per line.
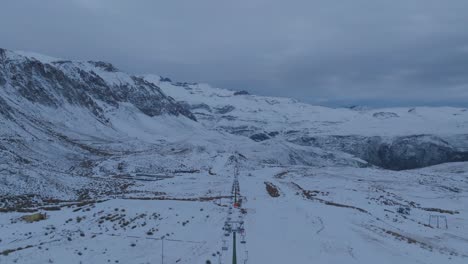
374, 52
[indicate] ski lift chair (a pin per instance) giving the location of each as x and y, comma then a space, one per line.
243, 239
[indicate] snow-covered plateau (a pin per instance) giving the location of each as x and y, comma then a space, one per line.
101, 166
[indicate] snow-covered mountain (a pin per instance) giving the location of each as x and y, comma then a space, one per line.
56, 113
119, 162
82, 118
394, 138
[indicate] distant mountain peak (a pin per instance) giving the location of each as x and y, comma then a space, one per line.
54, 82
106, 66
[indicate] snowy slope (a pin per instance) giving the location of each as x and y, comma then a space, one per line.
120, 163
322, 215
83, 119
394, 138
214, 106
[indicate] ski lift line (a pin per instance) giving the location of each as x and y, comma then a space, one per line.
233, 226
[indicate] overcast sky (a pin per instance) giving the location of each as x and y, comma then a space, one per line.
337, 53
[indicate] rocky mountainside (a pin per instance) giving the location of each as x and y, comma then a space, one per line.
54, 82
64, 118
99, 166
63, 123
60, 117
394, 138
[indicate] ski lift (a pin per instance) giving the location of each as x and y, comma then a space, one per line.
225, 247
243, 238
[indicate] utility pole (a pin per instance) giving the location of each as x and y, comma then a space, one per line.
235, 195
234, 253
162, 250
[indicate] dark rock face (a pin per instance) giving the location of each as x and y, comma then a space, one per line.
259, 137
5, 109
415, 152
239, 130
3, 61
2, 54
64, 81
385, 115
150, 100
398, 153
273, 133
200, 106
164, 79
225, 109
184, 84
104, 65
241, 93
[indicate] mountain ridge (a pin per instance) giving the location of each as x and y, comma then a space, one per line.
107, 158
80, 119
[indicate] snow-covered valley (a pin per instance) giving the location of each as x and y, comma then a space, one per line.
118, 163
